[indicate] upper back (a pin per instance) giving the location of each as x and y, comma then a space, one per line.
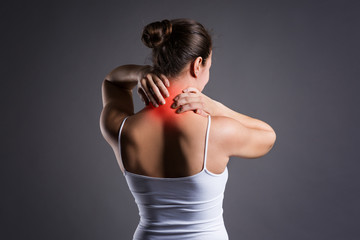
170, 147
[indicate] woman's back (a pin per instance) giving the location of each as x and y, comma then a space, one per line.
188, 207
169, 145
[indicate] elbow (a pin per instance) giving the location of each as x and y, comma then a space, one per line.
272, 140
265, 147
274, 137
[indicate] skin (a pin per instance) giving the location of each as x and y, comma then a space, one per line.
166, 138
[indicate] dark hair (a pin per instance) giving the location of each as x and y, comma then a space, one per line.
175, 43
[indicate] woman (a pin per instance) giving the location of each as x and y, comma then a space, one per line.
174, 152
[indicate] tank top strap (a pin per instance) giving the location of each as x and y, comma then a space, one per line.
119, 142
206, 140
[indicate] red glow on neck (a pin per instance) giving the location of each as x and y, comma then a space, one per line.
165, 112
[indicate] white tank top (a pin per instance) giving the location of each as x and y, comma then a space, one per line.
179, 208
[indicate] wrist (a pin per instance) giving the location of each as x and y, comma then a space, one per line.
217, 109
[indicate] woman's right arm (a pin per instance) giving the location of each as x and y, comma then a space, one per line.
240, 135
222, 110
239, 140
117, 95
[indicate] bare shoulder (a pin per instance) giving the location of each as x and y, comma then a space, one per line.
117, 104
110, 121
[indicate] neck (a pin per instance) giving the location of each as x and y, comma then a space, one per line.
176, 87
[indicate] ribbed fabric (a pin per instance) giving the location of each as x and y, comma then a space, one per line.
179, 208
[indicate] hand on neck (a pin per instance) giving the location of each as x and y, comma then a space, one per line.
177, 85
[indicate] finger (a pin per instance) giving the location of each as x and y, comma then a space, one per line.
160, 84
165, 80
187, 100
182, 95
155, 90
150, 95
191, 89
143, 82
201, 112
188, 107
184, 98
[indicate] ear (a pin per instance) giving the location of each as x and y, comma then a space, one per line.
195, 67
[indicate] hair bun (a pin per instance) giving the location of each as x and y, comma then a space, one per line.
156, 33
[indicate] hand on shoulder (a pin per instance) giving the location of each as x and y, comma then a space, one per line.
191, 99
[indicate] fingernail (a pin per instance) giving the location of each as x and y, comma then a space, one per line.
173, 105
178, 110
163, 102
185, 90
176, 98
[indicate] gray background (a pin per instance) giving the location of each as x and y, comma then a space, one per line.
293, 64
